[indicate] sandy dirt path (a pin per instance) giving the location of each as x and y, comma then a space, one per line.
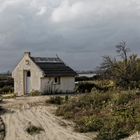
25, 110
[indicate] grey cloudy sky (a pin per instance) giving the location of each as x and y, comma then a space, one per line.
78, 31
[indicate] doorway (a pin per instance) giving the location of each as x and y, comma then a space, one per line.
27, 82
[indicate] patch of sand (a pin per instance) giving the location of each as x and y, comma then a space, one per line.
31, 109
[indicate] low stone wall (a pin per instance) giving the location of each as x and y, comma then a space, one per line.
2, 129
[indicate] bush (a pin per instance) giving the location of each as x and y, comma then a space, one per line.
116, 128
35, 93
6, 81
85, 87
56, 92
1, 98
84, 104
66, 98
56, 100
104, 86
6, 89
122, 99
113, 115
87, 124
8, 96
31, 129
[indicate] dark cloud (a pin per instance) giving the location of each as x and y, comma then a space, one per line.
79, 31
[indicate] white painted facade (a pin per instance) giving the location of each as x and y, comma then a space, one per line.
66, 84
29, 77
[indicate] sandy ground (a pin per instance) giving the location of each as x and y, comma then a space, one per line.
23, 110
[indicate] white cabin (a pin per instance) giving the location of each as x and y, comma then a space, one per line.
42, 74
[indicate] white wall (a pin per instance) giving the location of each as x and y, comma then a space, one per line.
67, 84
19, 76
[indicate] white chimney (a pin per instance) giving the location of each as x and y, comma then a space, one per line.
27, 53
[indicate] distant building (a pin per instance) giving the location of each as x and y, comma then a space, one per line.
42, 74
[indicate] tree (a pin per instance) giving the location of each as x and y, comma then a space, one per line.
122, 49
125, 70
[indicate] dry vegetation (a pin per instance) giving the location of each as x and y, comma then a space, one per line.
6, 84
32, 129
114, 115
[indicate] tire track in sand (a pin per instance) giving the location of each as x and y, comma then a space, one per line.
17, 122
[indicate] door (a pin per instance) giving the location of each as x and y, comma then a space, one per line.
28, 82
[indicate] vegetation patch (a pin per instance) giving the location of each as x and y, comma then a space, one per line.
114, 115
55, 100
8, 96
1, 98
31, 129
2, 129
35, 93
123, 69
6, 84
89, 124
88, 86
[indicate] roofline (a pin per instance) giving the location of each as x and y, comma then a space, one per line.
37, 65
32, 61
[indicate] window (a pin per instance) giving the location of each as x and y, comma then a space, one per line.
57, 80
28, 74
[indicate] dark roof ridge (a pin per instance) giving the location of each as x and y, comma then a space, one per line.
47, 59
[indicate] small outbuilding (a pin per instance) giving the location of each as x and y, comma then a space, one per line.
42, 74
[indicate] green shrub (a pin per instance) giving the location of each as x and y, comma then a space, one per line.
68, 109
67, 115
113, 115
55, 100
111, 134
1, 98
122, 98
84, 87
66, 98
95, 100
87, 124
35, 93
137, 126
6, 89
83, 104
6, 81
31, 129
8, 96
116, 128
